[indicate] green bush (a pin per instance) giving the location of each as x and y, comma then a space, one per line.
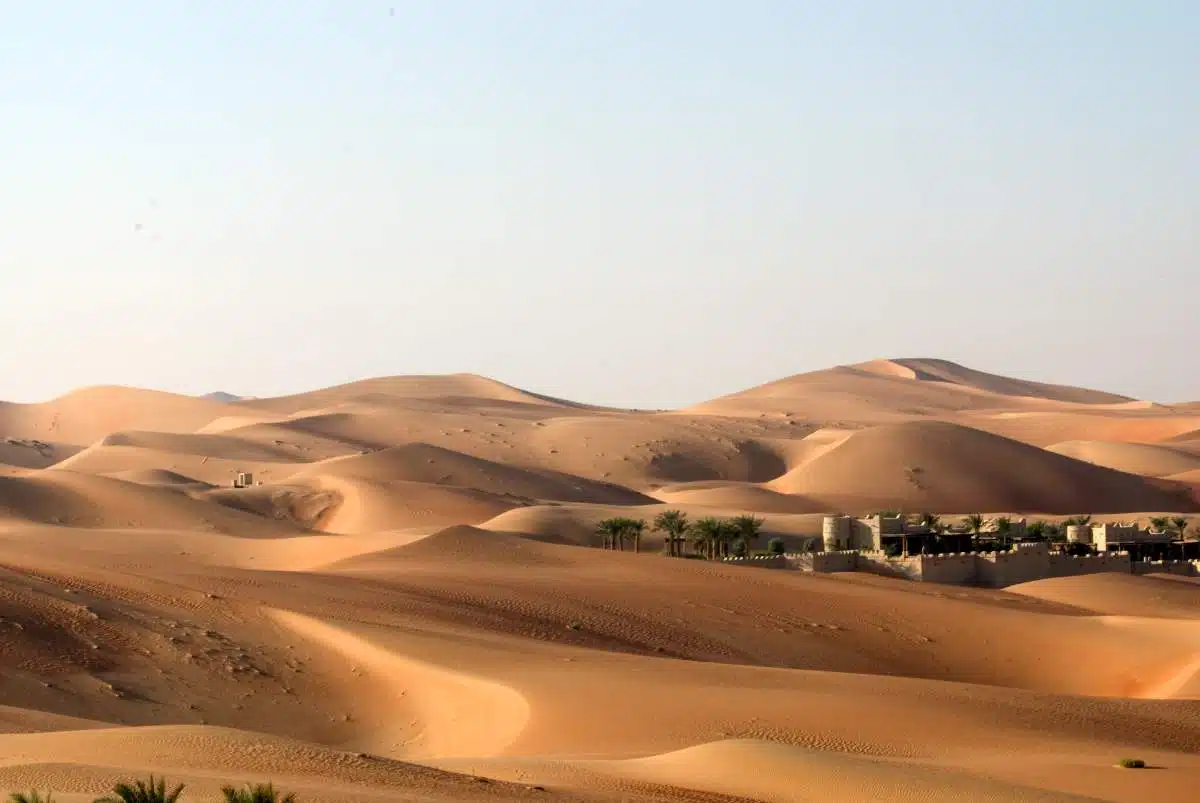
775, 546
31, 797
152, 791
256, 793
1133, 763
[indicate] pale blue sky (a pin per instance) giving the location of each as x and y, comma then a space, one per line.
632, 203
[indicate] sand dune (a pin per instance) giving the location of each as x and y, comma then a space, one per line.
784, 773
451, 390
79, 500
160, 476
86, 763
424, 463
412, 578
929, 370
85, 416
363, 506
1151, 460
885, 390
1119, 594
942, 466
736, 496
1116, 426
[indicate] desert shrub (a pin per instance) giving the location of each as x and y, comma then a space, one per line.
256, 793
775, 546
151, 791
1133, 763
893, 550
740, 550
32, 796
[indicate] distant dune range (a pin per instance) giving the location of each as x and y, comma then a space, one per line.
408, 597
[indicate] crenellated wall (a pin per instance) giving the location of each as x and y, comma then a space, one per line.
1025, 563
1187, 568
842, 561
878, 562
960, 568
1073, 565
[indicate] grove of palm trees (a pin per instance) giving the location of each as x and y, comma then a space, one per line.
711, 537
154, 790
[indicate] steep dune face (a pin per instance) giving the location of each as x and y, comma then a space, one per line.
942, 466
736, 496
33, 453
364, 506
1045, 428
930, 370
1150, 460
1120, 594
847, 393
883, 390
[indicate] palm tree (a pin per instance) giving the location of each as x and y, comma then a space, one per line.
930, 520
707, 533
633, 529
1003, 529
1180, 523
1159, 523
256, 793
32, 796
151, 791
1037, 531
674, 524
974, 523
727, 534
611, 530
748, 529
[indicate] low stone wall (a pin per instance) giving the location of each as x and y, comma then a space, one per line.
879, 563
990, 569
1073, 565
803, 561
762, 561
1187, 568
957, 568
831, 561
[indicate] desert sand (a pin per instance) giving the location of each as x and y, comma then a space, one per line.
409, 602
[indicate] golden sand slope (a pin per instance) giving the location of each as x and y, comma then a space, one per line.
488, 647
941, 466
1151, 460
411, 582
930, 370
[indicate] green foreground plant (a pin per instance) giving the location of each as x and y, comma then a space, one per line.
149, 791
256, 793
32, 796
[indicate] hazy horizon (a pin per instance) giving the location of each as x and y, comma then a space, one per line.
642, 206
